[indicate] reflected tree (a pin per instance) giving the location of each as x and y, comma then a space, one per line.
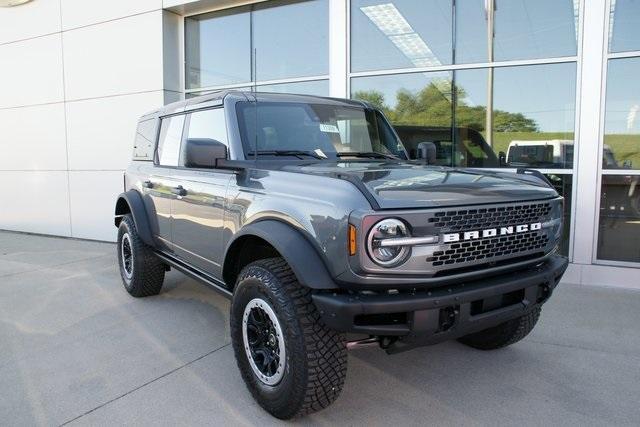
431, 106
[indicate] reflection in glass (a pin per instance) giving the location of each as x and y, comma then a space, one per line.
316, 87
619, 225
624, 23
213, 57
523, 29
418, 105
622, 125
208, 124
400, 34
534, 115
169, 140
411, 99
564, 185
291, 39
531, 125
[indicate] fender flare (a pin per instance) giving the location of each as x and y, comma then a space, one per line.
133, 200
305, 261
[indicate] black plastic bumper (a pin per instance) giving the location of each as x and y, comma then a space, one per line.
428, 317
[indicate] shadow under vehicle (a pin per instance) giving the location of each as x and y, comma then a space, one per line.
308, 214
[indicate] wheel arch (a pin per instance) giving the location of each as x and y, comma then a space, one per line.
130, 202
277, 239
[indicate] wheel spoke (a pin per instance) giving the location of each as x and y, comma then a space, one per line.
254, 335
127, 255
262, 335
266, 361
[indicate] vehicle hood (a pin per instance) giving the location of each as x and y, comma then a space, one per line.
394, 184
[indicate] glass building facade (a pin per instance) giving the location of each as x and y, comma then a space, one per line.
497, 84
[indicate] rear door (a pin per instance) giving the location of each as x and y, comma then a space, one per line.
198, 213
159, 188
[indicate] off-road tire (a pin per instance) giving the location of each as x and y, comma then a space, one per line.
316, 356
148, 270
504, 334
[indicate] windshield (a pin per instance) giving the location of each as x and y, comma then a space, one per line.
321, 131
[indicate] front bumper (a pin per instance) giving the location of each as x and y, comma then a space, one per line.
435, 315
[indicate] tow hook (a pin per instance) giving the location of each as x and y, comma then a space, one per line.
383, 342
367, 342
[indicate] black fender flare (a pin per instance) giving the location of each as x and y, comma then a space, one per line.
305, 261
133, 200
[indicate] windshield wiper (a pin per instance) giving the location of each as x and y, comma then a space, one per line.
297, 153
371, 154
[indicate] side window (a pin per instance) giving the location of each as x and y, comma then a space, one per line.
169, 140
206, 125
145, 140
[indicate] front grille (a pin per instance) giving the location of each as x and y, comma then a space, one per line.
480, 218
489, 251
492, 247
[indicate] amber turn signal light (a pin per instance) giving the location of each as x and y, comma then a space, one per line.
352, 239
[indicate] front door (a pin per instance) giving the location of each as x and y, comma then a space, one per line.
198, 219
198, 212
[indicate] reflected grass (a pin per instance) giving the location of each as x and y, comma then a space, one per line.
625, 147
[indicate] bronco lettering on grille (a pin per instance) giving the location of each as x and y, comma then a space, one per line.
490, 232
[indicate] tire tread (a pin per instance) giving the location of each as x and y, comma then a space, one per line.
148, 270
326, 354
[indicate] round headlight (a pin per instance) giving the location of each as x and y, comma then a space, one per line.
384, 254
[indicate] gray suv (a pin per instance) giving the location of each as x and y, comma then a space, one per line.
309, 215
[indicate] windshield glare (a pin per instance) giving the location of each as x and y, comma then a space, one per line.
325, 130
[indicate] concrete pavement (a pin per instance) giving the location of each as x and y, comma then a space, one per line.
76, 348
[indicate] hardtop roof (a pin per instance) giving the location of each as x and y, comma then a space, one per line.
191, 103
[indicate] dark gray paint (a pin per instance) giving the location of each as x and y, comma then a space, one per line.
315, 199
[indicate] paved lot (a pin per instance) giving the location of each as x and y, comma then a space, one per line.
75, 348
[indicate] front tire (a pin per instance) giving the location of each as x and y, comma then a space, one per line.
507, 333
141, 271
290, 361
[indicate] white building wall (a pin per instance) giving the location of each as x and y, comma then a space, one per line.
74, 77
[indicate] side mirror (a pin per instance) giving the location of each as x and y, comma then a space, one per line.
427, 152
502, 158
204, 153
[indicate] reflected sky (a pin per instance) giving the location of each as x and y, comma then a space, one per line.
623, 96
289, 40
524, 29
213, 58
544, 93
624, 23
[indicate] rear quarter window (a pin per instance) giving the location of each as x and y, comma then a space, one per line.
145, 139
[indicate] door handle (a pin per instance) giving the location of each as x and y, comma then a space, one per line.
147, 184
179, 191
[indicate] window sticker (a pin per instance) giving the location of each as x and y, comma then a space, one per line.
329, 128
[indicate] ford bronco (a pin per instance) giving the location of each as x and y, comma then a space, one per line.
309, 215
